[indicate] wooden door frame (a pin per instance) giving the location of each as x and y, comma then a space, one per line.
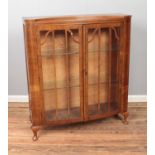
85, 40
53, 27
35, 105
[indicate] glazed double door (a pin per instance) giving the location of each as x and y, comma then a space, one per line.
79, 71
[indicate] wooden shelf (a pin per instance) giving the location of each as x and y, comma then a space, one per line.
93, 109
63, 114
75, 111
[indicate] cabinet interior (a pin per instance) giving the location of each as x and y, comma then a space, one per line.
61, 79
60, 61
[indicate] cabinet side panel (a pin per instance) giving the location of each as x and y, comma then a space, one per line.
33, 74
26, 61
125, 64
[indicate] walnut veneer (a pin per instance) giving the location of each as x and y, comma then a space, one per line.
77, 68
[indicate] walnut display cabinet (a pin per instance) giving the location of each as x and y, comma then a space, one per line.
77, 68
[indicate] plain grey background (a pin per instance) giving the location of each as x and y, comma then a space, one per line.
29, 8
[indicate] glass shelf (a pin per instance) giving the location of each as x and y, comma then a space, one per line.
58, 54
61, 52
102, 50
50, 86
63, 85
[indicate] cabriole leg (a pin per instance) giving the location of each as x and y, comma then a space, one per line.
125, 115
35, 129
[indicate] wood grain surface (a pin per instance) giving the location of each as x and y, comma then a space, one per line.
77, 62
103, 137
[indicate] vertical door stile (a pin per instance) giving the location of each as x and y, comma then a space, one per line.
67, 64
109, 69
118, 59
81, 61
86, 72
54, 64
99, 50
119, 65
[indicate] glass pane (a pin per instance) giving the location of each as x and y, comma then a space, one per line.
97, 71
60, 68
103, 49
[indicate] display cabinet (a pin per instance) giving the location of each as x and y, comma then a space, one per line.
77, 68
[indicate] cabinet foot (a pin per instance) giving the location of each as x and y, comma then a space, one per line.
35, 129
125, 115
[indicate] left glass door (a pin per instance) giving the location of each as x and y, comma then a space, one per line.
60, 66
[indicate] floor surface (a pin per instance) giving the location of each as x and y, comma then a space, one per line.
103, 137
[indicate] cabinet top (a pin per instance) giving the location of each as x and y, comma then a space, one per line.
76, 18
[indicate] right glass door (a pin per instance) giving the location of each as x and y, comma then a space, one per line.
102, 69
